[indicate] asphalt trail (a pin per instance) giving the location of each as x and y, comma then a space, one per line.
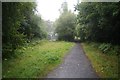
75, 65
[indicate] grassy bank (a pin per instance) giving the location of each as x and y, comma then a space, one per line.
36, 59
105, 65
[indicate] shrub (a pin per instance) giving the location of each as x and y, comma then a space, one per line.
105, 47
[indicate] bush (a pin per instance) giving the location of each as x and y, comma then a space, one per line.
105, 47
115, 50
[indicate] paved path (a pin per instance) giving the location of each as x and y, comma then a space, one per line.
75, 65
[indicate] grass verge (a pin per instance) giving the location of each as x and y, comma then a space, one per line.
105, 65
36, 59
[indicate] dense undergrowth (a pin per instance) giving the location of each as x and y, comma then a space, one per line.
107, 48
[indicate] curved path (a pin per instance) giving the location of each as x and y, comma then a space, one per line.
75, 65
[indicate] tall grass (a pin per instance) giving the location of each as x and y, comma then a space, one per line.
36, 59
105, 65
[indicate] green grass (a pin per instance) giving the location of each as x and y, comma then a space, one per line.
36, 60
105, 65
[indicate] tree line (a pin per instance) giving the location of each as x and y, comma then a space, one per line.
20, 24
65, 24
95, 21
99, 22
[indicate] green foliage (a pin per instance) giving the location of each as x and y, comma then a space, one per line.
31, 27
12, 16
20, 24
115, 50
107, 48
53, 59
98, 21
104, 47
65, 25
105, 65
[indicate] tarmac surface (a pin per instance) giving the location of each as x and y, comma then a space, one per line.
75, 65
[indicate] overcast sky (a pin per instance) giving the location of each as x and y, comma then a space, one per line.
49, 9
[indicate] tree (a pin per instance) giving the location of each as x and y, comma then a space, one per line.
65, 24
98, 21
19, 22
11, 21
32, 27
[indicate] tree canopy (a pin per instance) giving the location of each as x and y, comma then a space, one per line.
65, 24
98, 21
20, 24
